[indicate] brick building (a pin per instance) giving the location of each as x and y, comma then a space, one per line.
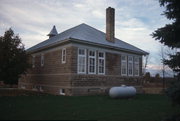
83, 60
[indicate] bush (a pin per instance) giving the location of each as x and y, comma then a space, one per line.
172, 118
174, 92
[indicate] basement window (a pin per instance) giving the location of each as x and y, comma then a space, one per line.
64, 55
62, 91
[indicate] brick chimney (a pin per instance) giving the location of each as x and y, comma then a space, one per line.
110, 24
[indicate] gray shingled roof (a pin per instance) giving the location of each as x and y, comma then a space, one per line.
88, 34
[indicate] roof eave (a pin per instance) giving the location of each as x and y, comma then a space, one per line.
84, 42
106, 46
48, 46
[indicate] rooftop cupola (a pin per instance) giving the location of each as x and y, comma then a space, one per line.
53, 32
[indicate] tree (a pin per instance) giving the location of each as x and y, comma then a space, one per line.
147, 77
169, 36
162, 55
157, 76
13, 58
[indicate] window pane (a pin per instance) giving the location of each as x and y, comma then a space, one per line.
130, 67
63, 55
130, 58
81, 61
124, 67
101, 65
123, 58
91, 53
136, 68
136, 59
81, 51
92, 65
124, 63
92, 59
81, 64
101, 54
101, 62
42, 60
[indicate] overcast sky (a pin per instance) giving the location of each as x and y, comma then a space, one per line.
135, 20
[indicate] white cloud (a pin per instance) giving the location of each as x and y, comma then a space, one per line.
98, 14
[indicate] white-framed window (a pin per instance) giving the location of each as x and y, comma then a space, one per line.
42, 59
136, 66
33, 61
81, 61
130, 65
101, 63
62, 91
92, 62
124, 65
64, 55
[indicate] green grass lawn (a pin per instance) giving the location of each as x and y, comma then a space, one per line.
101, 108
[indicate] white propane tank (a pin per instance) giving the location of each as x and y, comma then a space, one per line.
122, 92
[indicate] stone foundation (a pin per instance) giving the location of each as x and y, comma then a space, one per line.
74, 84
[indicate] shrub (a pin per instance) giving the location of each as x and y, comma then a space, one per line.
174, 92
